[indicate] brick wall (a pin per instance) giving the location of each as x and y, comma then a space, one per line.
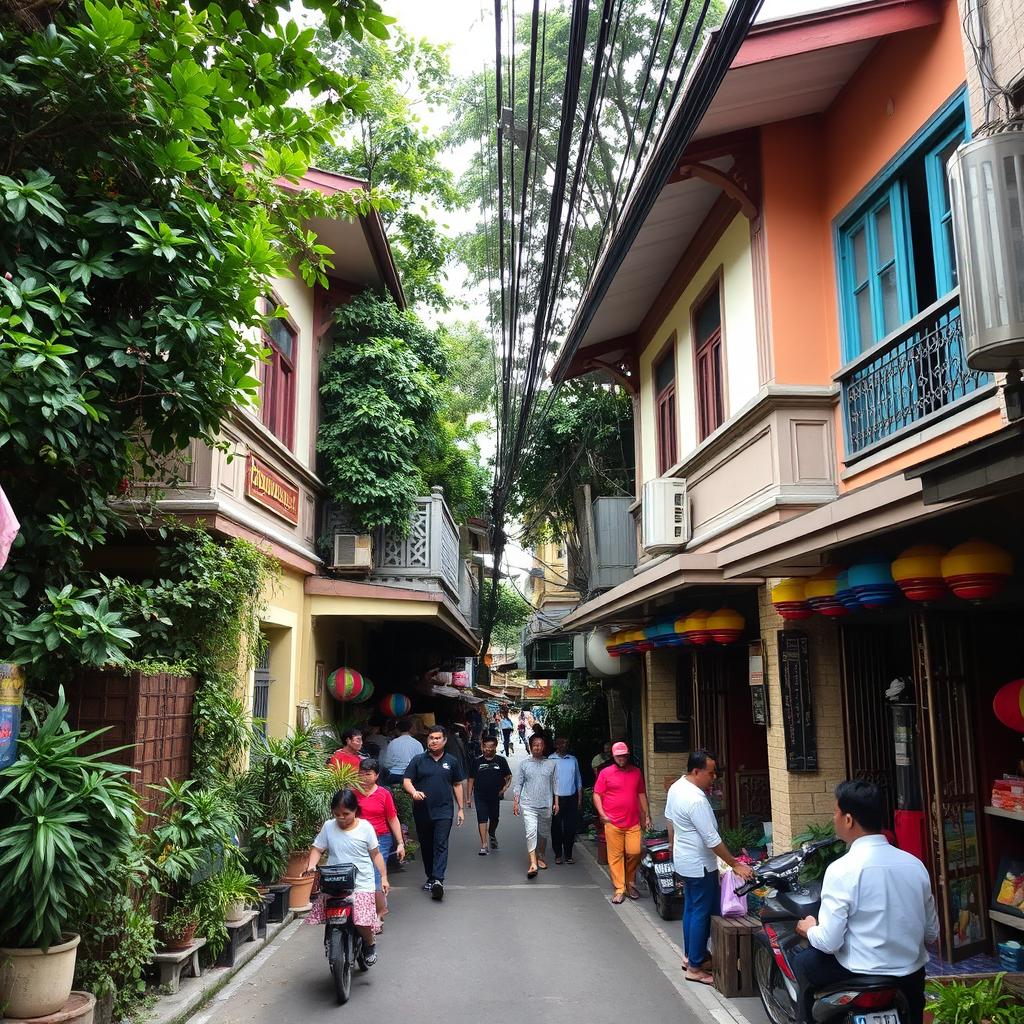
1005, 20
659, 705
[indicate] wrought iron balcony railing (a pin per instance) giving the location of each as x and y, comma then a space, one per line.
916, 375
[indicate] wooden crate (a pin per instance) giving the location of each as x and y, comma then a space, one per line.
732, 953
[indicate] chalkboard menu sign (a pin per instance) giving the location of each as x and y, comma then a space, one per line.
797, 710
672, 737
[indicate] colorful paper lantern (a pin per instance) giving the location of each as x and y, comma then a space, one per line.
725, 626
845, 595
613, 644
976, 569
662, 634
1008, 705
820, 592
873, 584
790, 600
395, 705
365, 693
695, 628
345, 684
918, 573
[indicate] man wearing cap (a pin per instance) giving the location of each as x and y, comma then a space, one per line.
620, 800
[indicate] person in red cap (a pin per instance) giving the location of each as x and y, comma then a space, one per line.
620, 799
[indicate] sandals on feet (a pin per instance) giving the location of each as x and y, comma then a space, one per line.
542, 865
619, 897
532, 873
633, 893
700, 978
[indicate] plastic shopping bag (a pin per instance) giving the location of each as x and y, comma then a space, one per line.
732, 905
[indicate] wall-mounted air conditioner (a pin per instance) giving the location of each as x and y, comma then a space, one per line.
352, 551
666, 514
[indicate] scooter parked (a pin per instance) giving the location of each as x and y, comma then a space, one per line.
664, 885
342, 942
873, 1000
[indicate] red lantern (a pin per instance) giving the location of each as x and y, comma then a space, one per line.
1008, 705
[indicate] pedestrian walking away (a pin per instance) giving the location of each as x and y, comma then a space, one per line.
348, 839
696, 847
434, 781
620, 799
401, 750
377, 806
569, 790
521, 728
534, 797
505, 724
489, 777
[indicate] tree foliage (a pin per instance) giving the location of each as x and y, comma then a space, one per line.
510, 617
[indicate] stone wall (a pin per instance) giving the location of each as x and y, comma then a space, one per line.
1005, 20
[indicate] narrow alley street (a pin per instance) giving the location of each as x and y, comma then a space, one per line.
499, 949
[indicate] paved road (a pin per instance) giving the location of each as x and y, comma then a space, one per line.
499, 950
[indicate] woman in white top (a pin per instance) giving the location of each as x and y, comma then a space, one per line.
348, 839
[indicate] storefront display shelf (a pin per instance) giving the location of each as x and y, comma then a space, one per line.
998, 812
1007, 919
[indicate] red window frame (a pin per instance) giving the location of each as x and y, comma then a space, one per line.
709, 368
277, 377
666, 431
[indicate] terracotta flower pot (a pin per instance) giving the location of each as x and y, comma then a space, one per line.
79, 1008
182, 939
301, 885
34, 983
296, 865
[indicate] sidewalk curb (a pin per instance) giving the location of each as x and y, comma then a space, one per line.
195, 993
705, 1001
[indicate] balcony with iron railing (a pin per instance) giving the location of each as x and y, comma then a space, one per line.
915, 377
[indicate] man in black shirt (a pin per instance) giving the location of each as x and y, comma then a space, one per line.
488, 778
432, 779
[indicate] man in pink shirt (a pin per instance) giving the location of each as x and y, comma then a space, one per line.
620, 799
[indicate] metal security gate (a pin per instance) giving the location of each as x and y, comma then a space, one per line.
261, 689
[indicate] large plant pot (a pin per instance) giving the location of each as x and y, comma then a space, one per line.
235, 912
79, 1008
296, 865
181, 939
34, 983
298, 898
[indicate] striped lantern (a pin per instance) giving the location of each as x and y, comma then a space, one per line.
725, 626
662, 634
845, 595
918, 573
345, 684
614, 644
395, 705
695, 628
365, 693
820, 591
790, 600
1008, 705
873, 584
976, 569
641, 641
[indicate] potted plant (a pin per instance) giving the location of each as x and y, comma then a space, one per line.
971, 1002
68, 822
236, 890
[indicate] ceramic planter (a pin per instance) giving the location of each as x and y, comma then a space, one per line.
79, 1008
298, 898
34, 983
235, 912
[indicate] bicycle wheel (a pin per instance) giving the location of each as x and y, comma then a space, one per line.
340, 956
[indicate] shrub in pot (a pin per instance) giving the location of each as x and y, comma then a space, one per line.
972, 1002
68, 824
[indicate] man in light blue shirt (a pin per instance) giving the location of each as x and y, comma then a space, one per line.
400, 751
506, 732
569, 790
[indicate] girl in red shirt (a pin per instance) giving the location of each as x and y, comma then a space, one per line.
377, 806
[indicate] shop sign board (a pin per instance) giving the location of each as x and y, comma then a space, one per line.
797, 707
671, 737
268, 488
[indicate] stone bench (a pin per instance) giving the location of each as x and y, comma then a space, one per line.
174, 963
240, 931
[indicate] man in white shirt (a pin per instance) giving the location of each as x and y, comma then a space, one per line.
877, 910
400, 751
696, 847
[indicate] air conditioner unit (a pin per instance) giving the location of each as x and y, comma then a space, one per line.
666, 514
352, 551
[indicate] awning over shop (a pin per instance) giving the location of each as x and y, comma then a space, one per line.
455, 693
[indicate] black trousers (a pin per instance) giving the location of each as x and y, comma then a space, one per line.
506, 738
563, 825
815, 969
433, 836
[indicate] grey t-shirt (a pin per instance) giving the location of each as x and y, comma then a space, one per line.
535, 782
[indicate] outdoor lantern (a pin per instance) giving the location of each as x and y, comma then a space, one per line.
820, 591
725, 626
395, 705
873, 584
345, 684
628, 640
695, 627
977, 569
365, 693
614, 644
641, 641
790, 600
918, 572
662, 634
845, 595
1008, 705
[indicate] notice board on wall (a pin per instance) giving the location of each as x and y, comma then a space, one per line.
797, 707
672, 737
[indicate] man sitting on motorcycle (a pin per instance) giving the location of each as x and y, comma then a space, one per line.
877, 910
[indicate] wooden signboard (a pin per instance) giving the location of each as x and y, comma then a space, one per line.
797, 709
268, 488
671, 737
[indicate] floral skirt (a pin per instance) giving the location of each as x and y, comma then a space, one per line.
364, 910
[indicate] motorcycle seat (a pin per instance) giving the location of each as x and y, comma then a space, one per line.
863, 983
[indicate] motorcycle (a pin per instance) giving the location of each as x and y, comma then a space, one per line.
342, 942
664, 885
873, 1000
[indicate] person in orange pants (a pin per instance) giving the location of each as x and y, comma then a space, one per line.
620, 799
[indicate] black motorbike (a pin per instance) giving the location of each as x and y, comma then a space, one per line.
664, 885
342, 942
874, 1000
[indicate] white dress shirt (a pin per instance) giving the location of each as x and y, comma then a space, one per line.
695, 829
877, 910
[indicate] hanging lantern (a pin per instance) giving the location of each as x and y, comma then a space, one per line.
345, 684
1008, 705
641, 641
918, 573
365, 693
845, 595
695, 628
873, 584
395, 705
725, 626
614, 644
680, 628
661, 634
976, 569
820, 591
628, 641
790, 600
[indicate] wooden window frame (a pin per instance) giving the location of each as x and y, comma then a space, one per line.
665, 406
279, 379
706, 423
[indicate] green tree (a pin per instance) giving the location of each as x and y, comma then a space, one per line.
510, 617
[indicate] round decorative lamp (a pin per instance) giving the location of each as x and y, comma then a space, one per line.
365, 693
661, 634
845, 595
725, 626
345, 684
395, 705
790, 600
680, 627
695, 627
614, 644
820, 591
976, 569
873, 584
628, 641
1008, 705
640, 642
918, 573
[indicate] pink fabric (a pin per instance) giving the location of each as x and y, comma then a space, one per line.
9, 527
619, 790
364, 910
